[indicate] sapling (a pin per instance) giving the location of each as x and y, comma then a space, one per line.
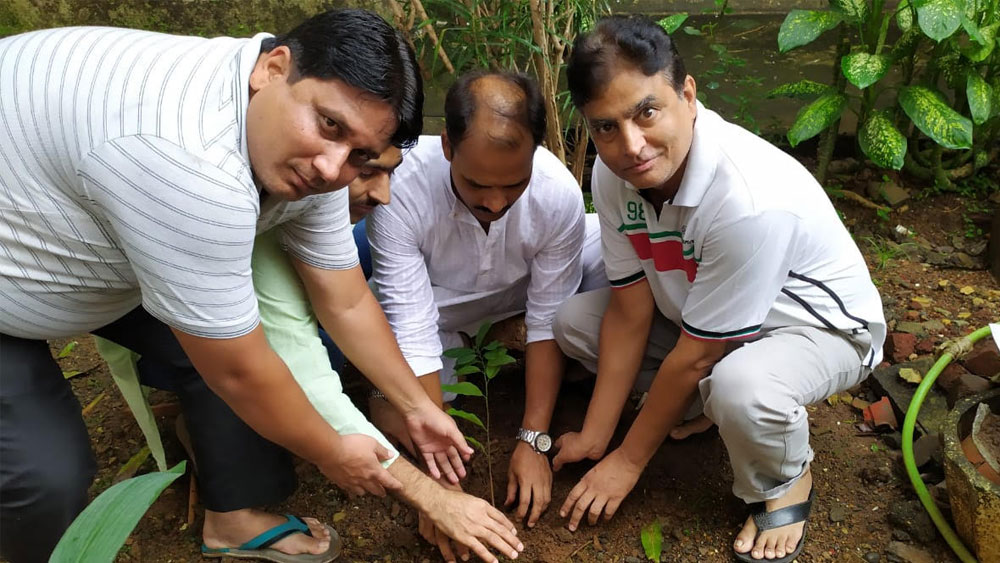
486, 361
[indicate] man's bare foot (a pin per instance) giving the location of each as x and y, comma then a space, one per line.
696, 425
776, 542
232, 529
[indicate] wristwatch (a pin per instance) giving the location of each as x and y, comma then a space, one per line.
540, 441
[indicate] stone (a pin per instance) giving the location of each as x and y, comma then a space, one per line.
950, 375
886, 382
963, 260
872, 557
912, 315
937, 259
984, 359
899, 552
888, 191
838, 513
944, 249
632, 559
925, 346
934, 326
967, 384
899, 346
911, 328
900, 535
926, 447
911, 517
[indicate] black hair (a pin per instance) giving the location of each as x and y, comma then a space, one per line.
634, 39
359, 48
462, 102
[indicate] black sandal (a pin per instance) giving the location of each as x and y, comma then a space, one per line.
782, 517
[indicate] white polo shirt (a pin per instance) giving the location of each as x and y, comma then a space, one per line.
435, 268
750, 243
125, 179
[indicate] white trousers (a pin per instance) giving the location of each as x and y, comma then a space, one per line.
756, 393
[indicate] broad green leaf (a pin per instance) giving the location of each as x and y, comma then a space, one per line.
467, 370
803, 89
865, 69
904, 17
69, 374
972, 29
671, 23
493, 345
938, 19
98, 533
977, 52
463, 388
481, 333
502, 360
854, 11
935, 118
980, 97
492, 371
467, 416
882, 142
67, 349
475, 443
652, 540
817, 116
803, 26
122, 365
459, 353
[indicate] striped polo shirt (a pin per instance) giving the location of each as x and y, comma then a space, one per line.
749, 243
125, 180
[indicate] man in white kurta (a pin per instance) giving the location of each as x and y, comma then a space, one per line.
485, 224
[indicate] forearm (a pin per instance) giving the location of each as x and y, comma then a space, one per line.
431, 383
544, 365
418, 489
257, 385
619, 358
363, 335
670, 396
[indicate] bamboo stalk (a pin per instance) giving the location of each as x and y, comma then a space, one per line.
554, 139
418, 7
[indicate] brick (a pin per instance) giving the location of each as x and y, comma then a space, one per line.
984, 359
899, 346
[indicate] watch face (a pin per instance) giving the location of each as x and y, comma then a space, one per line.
543, 443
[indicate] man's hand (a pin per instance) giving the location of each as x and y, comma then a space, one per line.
435, 536
356, 466
387, 419
530, 473
602, 489
440, 441
470, 522
575, 446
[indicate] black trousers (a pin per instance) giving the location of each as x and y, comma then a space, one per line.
46, 464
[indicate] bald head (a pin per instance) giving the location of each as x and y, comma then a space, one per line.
503, 108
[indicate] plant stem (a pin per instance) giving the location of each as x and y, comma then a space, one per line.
829, 137
489, 443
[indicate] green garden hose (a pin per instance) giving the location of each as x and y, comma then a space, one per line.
956, 349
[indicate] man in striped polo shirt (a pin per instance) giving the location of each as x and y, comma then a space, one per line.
137, 169
729, 256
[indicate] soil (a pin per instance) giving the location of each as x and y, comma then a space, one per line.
859, 479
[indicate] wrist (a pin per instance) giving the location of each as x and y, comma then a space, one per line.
634, 456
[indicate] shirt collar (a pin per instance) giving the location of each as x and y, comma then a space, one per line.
245, 62
702, 159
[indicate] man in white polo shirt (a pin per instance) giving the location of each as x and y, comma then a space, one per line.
485, 224
729, 255
138, 167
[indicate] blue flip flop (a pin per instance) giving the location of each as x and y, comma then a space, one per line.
260, 546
